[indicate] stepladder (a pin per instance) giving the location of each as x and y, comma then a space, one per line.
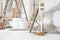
33, 19
19, 5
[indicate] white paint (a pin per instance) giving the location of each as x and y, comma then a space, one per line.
25, 35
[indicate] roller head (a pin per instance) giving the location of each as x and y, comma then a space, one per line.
42, 6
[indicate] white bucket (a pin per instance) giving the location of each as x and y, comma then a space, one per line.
15, 23
19, 23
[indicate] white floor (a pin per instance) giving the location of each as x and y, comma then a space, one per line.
25, 35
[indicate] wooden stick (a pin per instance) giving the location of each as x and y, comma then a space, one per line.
34, 20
